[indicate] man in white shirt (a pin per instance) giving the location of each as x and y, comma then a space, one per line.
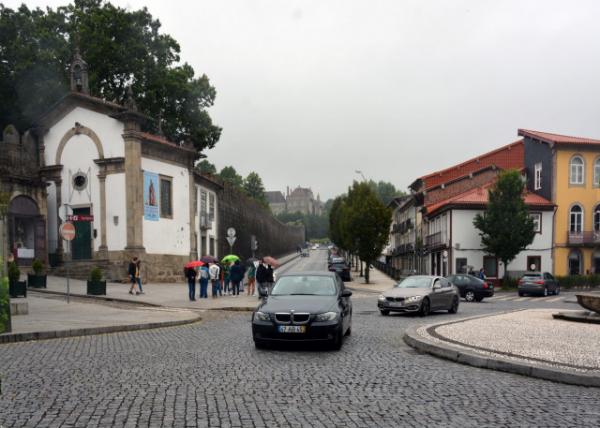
214, 271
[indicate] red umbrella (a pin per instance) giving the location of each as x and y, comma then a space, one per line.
271, 261
195, 263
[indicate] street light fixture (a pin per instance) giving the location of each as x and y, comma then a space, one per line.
361, 174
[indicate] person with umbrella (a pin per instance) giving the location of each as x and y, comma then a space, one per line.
237, 275
215, 278
204, 277
251, 276
190, 274
264, 277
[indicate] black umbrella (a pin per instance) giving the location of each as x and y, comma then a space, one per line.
209, 259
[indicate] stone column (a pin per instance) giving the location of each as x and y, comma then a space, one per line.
103, 249
134, 191
193, 237
59, 240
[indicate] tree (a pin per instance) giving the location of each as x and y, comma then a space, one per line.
506, 228
206, 167
253, 186
122, 47
366, 223
385, 191
230, 175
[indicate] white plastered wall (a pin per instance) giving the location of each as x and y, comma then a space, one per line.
170, 235
116, 214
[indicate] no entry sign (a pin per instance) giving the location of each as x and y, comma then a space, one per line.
67, 231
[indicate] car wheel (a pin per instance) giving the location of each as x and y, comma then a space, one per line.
425, 308
557, 291
454, 308
521, 294
545, 293
384, 312
349, 331
470, 296
336, 343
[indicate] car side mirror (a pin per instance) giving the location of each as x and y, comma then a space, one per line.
346, 293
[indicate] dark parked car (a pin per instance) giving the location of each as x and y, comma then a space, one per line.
342, 269
304, 306
420, 293
538, 283
471, 288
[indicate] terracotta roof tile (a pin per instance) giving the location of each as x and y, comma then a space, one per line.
506, 157
557, 138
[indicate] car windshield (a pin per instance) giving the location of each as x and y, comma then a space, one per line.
415, 282
532, 275
299, 285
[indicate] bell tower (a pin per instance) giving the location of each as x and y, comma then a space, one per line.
79, 74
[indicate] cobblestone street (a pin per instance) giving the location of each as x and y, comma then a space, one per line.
209, 374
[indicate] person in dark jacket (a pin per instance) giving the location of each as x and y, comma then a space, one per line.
236, 274
264, 278
190, 274
133, 272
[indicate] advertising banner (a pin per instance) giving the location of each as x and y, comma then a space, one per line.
151, 196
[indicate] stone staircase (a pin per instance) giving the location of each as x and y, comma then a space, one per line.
80, 269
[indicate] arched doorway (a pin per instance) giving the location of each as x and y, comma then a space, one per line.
575, 262
27, 230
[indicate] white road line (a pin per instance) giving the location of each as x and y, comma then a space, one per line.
522, 299
555, 299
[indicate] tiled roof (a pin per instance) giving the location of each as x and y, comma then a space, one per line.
506, 157
478, 196
162, 140
275, 197
557, 138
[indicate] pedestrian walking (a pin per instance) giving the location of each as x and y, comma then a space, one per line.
215, 278
264, 278
236, 275
138, 274
132, 271
481, 274
204, 277
226, 279
190, 274
251, 279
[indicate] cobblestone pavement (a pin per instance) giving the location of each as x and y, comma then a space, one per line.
209, 374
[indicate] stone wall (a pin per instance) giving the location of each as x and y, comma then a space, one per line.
249, 218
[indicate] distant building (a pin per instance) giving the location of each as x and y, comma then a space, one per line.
301, 200
276, 202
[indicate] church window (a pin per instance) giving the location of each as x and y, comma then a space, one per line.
166, 197
80, 181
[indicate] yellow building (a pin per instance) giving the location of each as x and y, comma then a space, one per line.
566, 170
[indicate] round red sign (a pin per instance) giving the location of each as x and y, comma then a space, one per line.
67, 231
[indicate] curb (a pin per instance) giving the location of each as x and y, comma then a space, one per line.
461, 355
91, 331
102, 298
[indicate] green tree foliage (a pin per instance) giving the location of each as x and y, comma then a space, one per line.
316, 226
360, 223
122, 47
206, 167
506, 228
385, 191
230, 175
253, 186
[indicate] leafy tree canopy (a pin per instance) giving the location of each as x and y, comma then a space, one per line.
506, 228
316, 226
122, 47
206, 167
253, 186
385, 191
230, 175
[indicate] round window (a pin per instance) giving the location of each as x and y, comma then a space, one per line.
79, 181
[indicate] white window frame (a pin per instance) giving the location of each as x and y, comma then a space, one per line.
576, 171
537, 221
577, 223
597, 172
537, 176
597, 218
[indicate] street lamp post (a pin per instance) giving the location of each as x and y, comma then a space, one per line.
361, 174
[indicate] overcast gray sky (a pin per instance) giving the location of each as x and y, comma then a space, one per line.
311, 90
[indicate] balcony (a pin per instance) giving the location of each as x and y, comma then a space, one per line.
584, 238
436, 240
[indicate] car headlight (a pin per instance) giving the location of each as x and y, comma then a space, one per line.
327, 316
381, 297
414, 298
262, 316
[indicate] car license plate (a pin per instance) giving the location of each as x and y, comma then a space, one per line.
397, 304
291, 328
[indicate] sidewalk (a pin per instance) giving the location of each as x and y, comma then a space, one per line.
51, 316
526, 342
378, 282
174, 295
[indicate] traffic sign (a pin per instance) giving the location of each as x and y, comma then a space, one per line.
67, 231
231, 240
231, 232
78, 217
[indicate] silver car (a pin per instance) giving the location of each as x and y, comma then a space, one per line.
420, 293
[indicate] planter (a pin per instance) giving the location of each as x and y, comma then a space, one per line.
17, 288
96, 288
36, 281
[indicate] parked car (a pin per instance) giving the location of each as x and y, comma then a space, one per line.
336, 259
342, 269
538, 283
420, 293
471, 288
304, 306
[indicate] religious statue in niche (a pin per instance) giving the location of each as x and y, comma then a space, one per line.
151, 195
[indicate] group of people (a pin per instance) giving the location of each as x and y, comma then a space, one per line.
228, 279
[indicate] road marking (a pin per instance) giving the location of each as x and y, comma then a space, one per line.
522, 299
504, 298
555, 299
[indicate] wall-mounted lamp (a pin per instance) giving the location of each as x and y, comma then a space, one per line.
116, 220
